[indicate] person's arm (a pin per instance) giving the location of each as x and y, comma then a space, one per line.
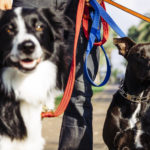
5, 4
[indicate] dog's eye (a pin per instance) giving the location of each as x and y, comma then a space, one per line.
9, 29
39, 28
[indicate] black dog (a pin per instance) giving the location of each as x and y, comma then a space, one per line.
127, 124
35, 56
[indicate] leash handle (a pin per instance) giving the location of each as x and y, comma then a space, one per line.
99, 12
95, 33
107, 74
105, 29
70, 84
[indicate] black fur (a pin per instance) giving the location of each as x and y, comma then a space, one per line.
11, 122
118, 133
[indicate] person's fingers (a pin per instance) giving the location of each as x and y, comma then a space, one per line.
5, 4
2, 6
8, 4
8, 7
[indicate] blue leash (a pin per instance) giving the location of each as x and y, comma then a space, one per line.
95, 34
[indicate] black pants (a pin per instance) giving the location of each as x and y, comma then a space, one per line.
76, 132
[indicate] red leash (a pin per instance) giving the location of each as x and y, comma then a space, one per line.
70, 84
86, 17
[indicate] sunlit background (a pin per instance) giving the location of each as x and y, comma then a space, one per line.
137, 29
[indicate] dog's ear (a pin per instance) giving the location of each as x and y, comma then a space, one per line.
124, 45
58, 21
62, 6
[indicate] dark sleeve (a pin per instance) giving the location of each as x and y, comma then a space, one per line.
69, 6
61, 4
34, 3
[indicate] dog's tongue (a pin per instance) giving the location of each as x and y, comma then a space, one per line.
28, 63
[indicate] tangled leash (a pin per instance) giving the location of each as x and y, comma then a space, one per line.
98, 15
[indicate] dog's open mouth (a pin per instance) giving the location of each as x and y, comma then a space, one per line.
29, 64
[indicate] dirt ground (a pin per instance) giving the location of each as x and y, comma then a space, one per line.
101, 101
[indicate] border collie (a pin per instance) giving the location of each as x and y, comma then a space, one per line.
35, 56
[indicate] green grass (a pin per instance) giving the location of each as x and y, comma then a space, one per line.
58, 99
95, 90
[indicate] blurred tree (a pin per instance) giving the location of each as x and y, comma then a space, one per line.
141, 32
109, 46
133, 33
144, 32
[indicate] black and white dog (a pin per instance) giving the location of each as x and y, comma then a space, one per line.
35, 56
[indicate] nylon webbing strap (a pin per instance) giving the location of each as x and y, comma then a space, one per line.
99, 12
70, 84
105, 26
134, 13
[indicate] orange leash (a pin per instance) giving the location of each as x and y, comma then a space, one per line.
70, 84
128, 10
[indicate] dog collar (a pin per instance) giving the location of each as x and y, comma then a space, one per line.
133, 98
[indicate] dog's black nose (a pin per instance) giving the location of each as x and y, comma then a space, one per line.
27, 47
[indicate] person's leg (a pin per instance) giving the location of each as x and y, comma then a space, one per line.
76, 131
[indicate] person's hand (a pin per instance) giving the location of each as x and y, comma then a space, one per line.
5, 4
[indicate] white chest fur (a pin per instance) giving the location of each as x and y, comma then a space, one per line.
35, 87
32, 90
34, 140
